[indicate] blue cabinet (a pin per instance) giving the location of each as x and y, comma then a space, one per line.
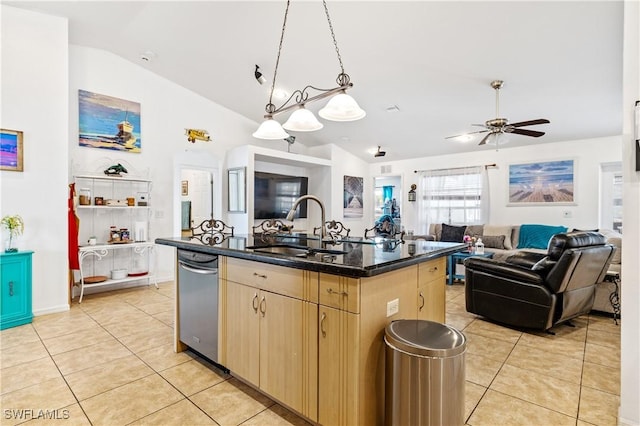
15, 296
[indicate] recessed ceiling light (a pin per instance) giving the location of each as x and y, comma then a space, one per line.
393, 108
464, 138
147, 56
280, 94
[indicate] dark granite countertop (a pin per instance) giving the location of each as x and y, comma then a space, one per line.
351, 257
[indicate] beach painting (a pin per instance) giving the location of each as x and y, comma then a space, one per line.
109, 123
550, 182
11, 150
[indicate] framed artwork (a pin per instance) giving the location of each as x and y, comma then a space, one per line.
108, 123
352, 197
185, 187
11, 150
542, 183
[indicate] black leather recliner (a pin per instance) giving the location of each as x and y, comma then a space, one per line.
533, 290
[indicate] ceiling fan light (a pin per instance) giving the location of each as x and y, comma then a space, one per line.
498, 138
270, 129
302, 120
342, 107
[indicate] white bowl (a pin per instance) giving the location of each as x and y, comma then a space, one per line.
118, 274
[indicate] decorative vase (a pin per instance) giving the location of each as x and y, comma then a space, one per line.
10, 246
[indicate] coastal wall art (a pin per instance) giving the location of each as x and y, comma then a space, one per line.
352, 197
108, 123
542, 183
11, 150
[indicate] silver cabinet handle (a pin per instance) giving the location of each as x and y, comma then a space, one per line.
254, 303
341, 293
422, 298
263, 306
324, 316
10, 288
255, 274
198, 271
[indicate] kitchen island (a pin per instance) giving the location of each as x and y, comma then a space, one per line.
303, 321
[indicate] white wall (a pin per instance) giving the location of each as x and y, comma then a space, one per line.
166, 110
588, 155
346, 164
35, 101
629, 413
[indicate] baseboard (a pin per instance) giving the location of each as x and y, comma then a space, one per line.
51, 310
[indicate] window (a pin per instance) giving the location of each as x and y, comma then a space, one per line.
453, 196
611, 196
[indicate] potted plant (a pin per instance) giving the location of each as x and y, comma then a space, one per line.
15, 225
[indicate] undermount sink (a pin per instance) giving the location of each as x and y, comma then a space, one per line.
293, 250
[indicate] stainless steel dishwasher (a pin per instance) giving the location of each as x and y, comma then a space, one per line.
198, 302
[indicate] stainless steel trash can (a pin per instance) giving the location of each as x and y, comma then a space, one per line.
424, 374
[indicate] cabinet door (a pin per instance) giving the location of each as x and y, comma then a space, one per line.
15, 297
281, 348
431, 300
337, 367
243, 331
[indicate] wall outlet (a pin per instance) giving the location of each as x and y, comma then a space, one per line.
159, 214
393, 307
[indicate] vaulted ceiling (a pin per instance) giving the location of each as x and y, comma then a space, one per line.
420, 69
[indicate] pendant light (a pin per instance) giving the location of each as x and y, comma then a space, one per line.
341, 107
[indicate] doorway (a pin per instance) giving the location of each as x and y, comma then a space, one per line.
387, 199
196, 198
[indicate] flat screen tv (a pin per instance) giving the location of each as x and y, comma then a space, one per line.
275, 194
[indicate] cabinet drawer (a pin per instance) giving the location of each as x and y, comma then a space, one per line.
432, 270
291, 282
340, 292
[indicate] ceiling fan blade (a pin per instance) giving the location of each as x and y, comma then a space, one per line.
485, 139
526, 132
465, 134
530, 122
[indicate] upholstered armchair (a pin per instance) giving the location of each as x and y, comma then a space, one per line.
539, 291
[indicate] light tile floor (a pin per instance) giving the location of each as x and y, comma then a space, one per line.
110, 361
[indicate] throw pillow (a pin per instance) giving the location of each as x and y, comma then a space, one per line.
493, 241
543, 266
452, 234
474, 230
499, 230
538, 236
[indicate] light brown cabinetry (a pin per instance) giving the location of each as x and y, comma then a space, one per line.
351, 342
314, 341
431, 290
270, 338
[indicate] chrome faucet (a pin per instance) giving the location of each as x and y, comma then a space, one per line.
292, 212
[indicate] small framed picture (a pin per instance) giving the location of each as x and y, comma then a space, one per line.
185, 187
11, 150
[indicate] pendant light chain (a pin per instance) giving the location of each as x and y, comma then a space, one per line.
270, 106
341, 107
333, 36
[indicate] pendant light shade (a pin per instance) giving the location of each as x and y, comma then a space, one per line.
302, 120
270, 129
342, 107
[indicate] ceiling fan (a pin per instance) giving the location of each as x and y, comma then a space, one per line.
498, 126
